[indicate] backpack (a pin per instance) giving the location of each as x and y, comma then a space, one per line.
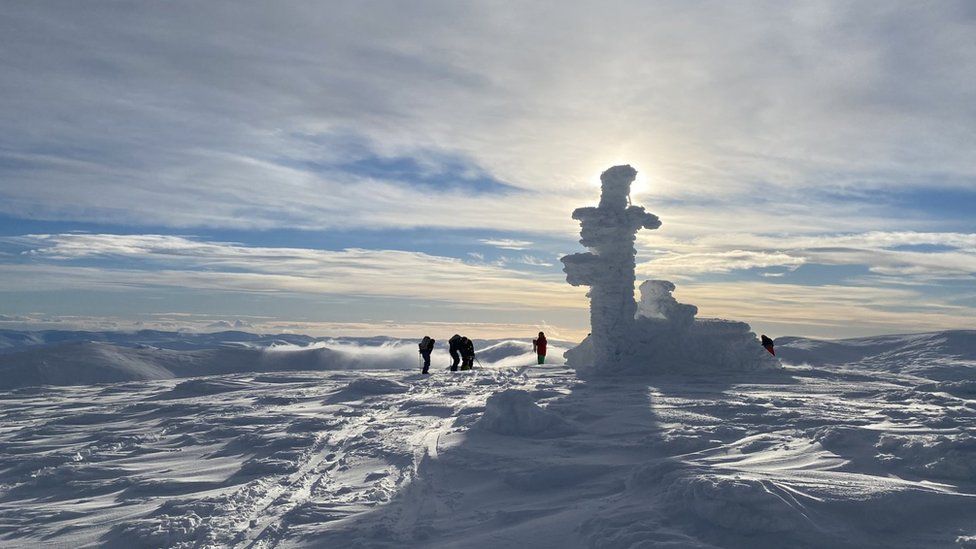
426, 344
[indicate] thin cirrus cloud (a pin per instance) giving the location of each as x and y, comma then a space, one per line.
826, 310
920, 256
506, 243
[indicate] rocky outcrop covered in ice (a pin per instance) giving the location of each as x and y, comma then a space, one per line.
659, 334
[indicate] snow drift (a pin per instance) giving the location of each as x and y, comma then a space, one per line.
660, 335
96, 362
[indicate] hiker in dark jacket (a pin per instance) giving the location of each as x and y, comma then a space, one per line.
467, 354
454, 347
426, 347
768, 344
539, 346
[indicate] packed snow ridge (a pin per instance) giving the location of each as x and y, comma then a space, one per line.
658, 335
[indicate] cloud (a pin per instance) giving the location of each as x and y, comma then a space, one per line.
260, 117
506, 243
534, 261
686, 265
826, 310
921, 256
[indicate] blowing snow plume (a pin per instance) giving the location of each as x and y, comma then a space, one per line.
661, 335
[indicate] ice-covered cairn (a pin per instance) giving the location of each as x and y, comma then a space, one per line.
659, 334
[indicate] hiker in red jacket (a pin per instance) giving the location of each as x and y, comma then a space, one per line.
539, 346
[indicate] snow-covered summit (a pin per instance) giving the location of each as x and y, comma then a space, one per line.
661, 335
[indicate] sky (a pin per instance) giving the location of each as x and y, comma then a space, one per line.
361, 167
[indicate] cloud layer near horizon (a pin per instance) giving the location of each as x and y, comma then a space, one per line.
133, 263
179, 261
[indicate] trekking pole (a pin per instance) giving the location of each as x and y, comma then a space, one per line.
480, 365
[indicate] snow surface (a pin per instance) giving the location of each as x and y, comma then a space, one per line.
859, 443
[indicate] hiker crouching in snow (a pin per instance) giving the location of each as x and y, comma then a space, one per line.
768, 344
539, 346
467, 354
426, 347
454, 347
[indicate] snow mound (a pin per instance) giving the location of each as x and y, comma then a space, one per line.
203, 387
362, 388
944, 456
163, 531
659, 335
965, 388
736, 503
513, 412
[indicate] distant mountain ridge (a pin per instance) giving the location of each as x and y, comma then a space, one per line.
57, 357
80, 358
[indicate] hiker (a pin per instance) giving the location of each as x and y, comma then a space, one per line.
467, 354
426, 347
539, 346
768, 344
454, 347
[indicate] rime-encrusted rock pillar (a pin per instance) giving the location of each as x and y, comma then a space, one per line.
609, 231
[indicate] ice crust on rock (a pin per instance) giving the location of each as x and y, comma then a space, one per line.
659, 334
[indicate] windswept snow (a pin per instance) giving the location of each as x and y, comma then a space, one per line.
871, 452
948, 356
